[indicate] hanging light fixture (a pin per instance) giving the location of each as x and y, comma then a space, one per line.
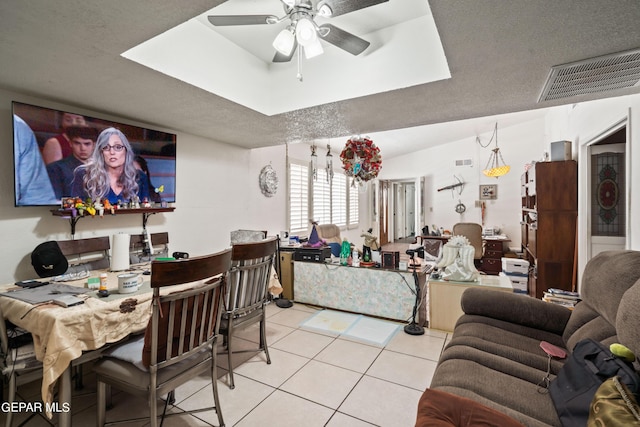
329, 167
496, 167
314, 163
285, 41
303, 30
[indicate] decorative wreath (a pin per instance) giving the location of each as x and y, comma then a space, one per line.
361, 159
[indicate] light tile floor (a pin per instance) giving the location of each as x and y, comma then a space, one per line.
313, 380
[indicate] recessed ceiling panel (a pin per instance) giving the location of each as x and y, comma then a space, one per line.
235, 62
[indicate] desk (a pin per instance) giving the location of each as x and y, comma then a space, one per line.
61, 335
383, 293
444, 298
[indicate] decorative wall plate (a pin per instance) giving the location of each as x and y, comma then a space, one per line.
268, 181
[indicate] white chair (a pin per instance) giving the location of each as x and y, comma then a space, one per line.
247, 294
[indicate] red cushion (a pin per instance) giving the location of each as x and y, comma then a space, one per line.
440, 409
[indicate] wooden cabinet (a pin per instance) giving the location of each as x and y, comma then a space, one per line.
492, 256
549, 218
286, 273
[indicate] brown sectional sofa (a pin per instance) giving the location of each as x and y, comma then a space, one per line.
495, 359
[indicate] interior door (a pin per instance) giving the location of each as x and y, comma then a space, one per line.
383, 209
399, 211
410, 209
608, 205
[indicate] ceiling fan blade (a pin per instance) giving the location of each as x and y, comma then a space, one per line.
340, 7
225, 20
280, 57
345, 40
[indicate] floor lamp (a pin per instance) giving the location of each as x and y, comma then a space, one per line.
413, 328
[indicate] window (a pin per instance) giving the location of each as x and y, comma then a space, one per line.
309, 199
298, 198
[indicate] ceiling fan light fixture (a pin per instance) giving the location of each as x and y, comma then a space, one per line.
306, 32
314, 49
284, 42
325, 11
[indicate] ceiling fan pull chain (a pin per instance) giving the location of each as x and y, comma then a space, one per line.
299, 75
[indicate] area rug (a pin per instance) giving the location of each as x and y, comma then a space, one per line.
330, 321
354, 327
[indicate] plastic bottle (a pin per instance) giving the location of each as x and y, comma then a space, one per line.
102, 290
345, 251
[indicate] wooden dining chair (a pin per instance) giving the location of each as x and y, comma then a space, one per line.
92, 251
18, 364
180, 341
141, 251
247, 294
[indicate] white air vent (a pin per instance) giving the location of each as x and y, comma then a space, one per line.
464, 162
610, 72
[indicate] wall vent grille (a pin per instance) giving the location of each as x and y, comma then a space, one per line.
464, 162
601, 74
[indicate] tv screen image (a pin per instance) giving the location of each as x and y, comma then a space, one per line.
60, 154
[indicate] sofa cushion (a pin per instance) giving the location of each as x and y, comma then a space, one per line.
503, 363
628, 319
536, 359
441, 409
520, 399
515, 309
496, 325
606, 277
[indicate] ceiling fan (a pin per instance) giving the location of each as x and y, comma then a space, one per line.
302, 28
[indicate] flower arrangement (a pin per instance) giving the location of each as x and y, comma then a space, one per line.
361, 159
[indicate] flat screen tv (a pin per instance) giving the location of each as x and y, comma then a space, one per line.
54, 152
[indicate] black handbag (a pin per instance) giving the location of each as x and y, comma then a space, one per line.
589, 365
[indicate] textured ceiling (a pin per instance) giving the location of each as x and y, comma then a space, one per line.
499, 54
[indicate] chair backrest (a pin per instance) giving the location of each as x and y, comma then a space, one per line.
246, 236
249, 276
473, 232
137, 248
329, 233
187, 321
94, 251
432, 249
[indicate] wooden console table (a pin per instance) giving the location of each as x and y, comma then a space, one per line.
374, 291
444, 298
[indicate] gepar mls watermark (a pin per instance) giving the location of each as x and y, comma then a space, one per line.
18, 407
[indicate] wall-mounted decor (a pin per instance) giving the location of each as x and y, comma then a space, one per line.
268, 181
489, 192
361, 159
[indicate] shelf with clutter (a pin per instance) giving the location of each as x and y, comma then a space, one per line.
74, 209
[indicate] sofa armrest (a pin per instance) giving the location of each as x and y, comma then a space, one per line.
514, 308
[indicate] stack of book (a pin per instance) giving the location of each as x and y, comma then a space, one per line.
561, 297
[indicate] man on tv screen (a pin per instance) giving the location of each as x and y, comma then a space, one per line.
82, 141
32, 184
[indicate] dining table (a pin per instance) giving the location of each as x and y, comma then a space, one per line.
64, 337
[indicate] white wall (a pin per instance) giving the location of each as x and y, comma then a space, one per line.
214, 196
519, 145
272, 211
581, 123
218, 191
